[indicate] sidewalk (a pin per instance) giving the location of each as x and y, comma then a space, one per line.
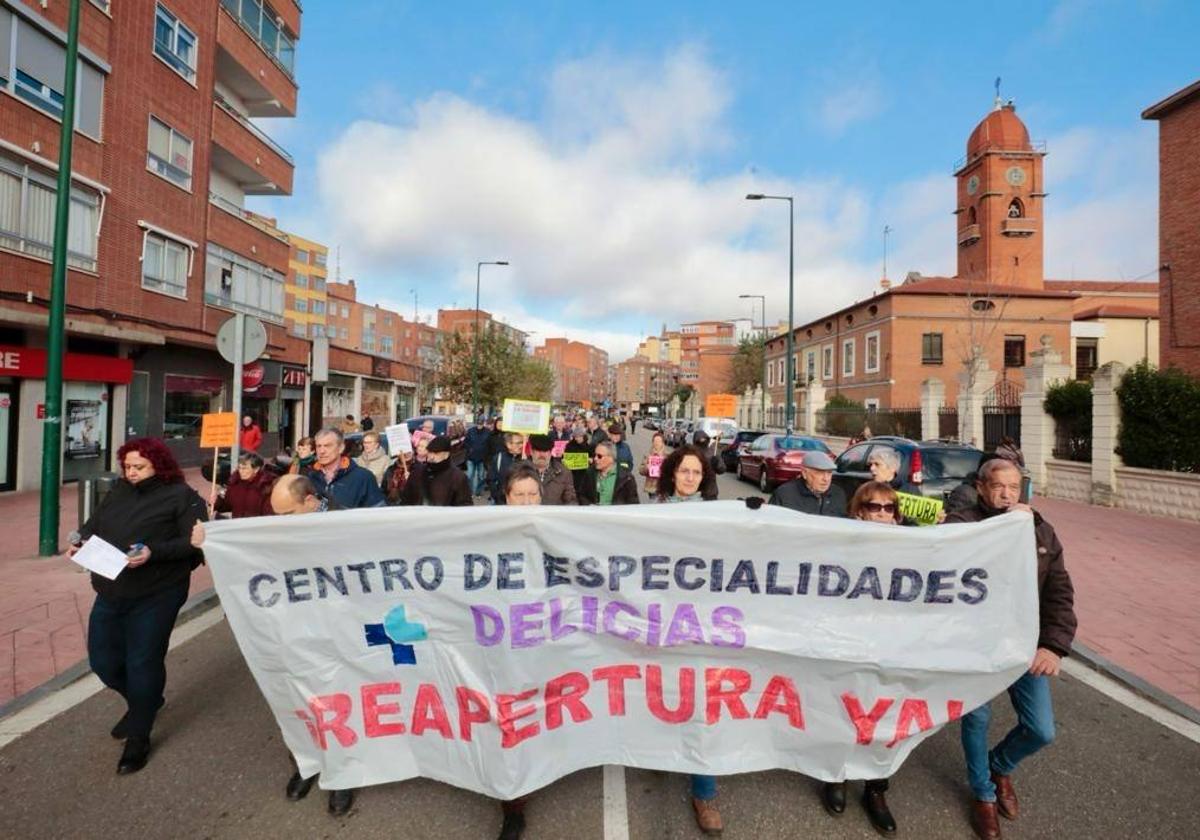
45, 601
1137, 583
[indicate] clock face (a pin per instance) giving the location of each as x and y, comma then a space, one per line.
973, 185
1015, 176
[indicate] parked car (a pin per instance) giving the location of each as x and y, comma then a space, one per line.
714, 427
680, 432
735, 446
452, 427
773, 459
934, 467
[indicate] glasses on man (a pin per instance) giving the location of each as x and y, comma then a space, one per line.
880, 507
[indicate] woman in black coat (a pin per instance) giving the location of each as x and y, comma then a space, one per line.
149, 514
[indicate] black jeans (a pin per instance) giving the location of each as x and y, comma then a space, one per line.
127, 648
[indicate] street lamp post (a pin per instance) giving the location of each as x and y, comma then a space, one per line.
475, 360
762, 409
791, 373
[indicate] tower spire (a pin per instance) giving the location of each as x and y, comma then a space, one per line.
998, 103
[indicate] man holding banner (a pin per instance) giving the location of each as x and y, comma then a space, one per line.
989, 772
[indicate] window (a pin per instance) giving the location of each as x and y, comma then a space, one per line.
345, 311
318, 284
320, 259
1016, 210
186, 399
871, 404
318, 330
782, 375
174, 43
27, 196
169, 154
261, 21
1087, 357
368, 342
301, 304
387, 320
811, 365
301, 255
770, 376
385, 345
299, 329
345, 333
235, 282
931, 349
318, 307
827, 362
848, 357
1014, 351
166, 264
872, 349
301, 280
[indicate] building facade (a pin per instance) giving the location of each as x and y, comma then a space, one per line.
161, 251
464, 320
580, 371
641, 383
1178, 119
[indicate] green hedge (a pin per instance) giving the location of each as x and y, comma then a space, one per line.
1070, 404
1160, 419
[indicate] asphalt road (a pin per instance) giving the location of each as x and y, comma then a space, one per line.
219, 768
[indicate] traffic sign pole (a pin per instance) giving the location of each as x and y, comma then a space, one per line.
239, 352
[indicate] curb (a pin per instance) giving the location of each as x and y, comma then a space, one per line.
195, 606
1133, 682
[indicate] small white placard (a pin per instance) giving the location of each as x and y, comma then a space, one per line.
398, 438
101, 557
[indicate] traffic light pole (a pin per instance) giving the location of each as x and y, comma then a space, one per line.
56, 327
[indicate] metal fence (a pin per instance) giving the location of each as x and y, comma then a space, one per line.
948, 422
850, 422
1069, 447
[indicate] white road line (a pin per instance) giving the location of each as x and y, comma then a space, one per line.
1113, 689
616, 815
14, 726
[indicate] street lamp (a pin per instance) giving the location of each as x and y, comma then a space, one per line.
475, 360
791, 374
762, 409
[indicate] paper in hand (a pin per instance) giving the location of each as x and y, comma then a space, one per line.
101, 557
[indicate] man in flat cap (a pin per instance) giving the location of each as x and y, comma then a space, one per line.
558, 488
437, 482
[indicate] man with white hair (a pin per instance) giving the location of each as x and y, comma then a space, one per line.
989, 772
814, 491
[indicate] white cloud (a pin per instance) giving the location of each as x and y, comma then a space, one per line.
852, 102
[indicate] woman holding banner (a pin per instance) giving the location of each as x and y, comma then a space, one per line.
652, 462
688, 476
875, 501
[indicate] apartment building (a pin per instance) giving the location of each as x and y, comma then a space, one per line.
641, 383
464, 320
161, 250
580, 371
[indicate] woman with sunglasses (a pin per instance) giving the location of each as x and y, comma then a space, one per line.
875, 501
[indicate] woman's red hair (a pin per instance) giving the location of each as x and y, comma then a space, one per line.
157, 453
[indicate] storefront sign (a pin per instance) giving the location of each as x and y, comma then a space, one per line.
294, 377
252, 376
30, 363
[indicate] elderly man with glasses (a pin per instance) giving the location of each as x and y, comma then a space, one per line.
607, 482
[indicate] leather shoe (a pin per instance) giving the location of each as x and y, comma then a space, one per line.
708, 816
298, 787
875, 803
121, 730
340, 802
984, 821
514, 825
134, 756
1006, 796
833, 795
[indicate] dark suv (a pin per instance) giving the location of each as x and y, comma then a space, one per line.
730, 450
933, 466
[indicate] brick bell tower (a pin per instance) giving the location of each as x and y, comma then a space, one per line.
999, 210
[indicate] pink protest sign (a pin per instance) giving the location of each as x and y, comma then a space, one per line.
560, 446
654, 466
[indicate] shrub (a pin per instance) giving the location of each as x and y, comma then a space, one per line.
1070, 404
1160, 415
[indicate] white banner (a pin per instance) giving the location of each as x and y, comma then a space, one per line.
500, 648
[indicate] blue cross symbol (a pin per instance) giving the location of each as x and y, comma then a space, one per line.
397, 632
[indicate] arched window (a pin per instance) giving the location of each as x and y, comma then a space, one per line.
970, 215
1016, 210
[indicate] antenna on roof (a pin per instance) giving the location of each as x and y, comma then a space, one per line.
337, 263
999, 103
885, 283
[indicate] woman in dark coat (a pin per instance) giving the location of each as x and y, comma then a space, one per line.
249, 490
149, 514
579, 444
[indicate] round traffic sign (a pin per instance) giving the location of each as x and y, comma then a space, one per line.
255, 338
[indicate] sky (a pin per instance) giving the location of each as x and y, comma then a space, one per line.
604, 149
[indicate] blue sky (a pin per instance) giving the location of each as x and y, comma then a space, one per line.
604, 149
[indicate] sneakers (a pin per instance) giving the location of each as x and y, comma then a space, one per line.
708, 816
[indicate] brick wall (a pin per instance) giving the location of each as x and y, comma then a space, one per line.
1179, 236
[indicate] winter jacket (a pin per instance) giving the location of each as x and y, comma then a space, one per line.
498, 467
558, 488
250, 438
395, 477
351, 487
1056, 595
248, 498
478, 439
597, 436
579, 477
624, 455
301, 465
444, 487
495, 445
795, 495
158, 515
625, 491
376, 464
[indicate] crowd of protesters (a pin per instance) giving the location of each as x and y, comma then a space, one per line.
583, 460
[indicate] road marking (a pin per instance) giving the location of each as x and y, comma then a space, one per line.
1113, 689
28, 719
616, 814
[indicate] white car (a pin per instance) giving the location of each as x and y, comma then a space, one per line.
723, 427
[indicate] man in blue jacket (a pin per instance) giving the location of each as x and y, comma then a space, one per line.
478, 437
337, 477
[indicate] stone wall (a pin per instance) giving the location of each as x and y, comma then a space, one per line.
1070, 480
1159, 493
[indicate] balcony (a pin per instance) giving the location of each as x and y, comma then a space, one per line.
968, 235
1018, 227
260, 78
233, 229
245, 154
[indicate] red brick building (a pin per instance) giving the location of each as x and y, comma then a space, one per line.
580, 370
1178, 119
464, 320
643, 383
161, 251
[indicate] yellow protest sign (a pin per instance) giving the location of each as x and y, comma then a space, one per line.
921, 509
575, 460
218, 431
